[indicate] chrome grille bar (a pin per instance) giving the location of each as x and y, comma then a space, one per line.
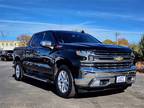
106, 60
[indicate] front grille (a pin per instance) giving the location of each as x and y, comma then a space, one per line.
112, 65
106, 60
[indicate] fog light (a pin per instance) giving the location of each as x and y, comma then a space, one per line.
104, 82
95, 83
133, 79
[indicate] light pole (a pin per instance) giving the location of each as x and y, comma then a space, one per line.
117, 34
2, 35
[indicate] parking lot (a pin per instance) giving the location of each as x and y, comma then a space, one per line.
34, 94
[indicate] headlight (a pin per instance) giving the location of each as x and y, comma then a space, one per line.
132, 55
85, 55
82, 53
133, 58
91, 58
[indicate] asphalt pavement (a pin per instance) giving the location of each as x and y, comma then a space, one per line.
35, 94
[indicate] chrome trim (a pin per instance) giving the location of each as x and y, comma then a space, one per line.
88, 74
93, 70
106, 61
36, 78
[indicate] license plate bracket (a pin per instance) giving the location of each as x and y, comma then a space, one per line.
120, 79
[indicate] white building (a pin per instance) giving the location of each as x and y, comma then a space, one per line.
8, 45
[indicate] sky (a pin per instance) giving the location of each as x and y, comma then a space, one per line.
100, 18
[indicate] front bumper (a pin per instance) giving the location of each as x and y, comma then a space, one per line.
92, 77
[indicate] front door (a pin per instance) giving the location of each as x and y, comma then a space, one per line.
44, 61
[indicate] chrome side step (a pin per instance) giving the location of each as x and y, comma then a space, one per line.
36, 78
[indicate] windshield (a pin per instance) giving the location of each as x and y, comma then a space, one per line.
75, 37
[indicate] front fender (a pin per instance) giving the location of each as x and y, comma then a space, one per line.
69, 59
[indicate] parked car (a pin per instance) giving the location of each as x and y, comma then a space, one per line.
0, 53
72, 61
7, 55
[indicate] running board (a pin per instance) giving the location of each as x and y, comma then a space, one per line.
36, 78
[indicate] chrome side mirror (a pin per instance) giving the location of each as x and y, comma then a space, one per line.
47, 44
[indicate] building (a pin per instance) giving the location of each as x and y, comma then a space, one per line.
8, 45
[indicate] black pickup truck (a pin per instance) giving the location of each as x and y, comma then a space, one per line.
73, 60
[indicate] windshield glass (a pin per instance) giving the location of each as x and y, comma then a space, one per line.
75, 37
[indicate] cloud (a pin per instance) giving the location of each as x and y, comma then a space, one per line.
10, 7
94, 14
19, 27
110, 15
82, 25
46, 24
15, 28
23, 22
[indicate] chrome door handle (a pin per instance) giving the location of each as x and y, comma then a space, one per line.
27, 51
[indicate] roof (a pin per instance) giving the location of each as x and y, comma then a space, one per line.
58, 31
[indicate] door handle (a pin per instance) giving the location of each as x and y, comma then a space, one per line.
36, 53
27, 51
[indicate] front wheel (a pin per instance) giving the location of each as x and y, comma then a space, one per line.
122, 89
18, 71
64, 82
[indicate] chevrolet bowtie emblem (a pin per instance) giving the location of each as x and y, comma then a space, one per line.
119, 58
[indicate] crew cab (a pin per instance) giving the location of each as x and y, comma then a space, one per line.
73, 60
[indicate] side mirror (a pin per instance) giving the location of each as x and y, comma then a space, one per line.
47, 44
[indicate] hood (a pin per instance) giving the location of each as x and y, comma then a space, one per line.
95, 46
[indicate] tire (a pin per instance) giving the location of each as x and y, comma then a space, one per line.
1, 59
4, 59
122, 89
64, 82
18, 71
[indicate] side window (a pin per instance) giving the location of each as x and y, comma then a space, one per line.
48, 37
37, 38
31, 43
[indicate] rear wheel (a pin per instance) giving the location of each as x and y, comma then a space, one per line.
18, 71
64, 82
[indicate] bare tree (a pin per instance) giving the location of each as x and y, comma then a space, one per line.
2, 34
23, 39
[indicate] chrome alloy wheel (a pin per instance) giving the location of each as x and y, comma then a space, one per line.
63, 81
17, 71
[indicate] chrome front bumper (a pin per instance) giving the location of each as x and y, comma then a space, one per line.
93, 77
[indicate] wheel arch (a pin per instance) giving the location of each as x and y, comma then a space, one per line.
69, 64
16, 59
